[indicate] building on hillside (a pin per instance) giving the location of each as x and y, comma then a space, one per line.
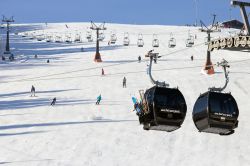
232, 24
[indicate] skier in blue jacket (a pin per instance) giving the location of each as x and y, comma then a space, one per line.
98, 99
136, 106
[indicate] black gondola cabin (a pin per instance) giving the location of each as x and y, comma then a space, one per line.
165, 109
216, 112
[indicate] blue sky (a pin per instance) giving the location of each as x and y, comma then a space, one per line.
165, 12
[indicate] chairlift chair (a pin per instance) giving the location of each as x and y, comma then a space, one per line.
89, 36
190, 40
24, 34
163, 108
113, 38
31, 35
101, 36
78, 38
48, 38
58, 39
155, 42
126, 40
172, 41
206, 40
68, 38
40, 37
216, 112
140, 42
2, 26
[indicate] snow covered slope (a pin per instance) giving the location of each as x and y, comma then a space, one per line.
77, 132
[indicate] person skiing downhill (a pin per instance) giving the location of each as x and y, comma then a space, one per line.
32, 91
98, 99
124, 82
53, 101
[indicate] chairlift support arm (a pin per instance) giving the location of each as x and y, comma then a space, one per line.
224, 65
214, 15
154, 56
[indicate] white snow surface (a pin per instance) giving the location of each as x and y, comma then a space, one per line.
76, 132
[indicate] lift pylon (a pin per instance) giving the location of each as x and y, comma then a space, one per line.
7, 48
97, 28
208, 68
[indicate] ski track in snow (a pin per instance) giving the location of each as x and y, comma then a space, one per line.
77, 132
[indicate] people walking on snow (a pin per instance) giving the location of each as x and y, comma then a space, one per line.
103, 71
98, 99
124, 85
139, 59
53, 101
33, 91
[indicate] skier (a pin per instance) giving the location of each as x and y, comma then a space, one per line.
48, 61
32, 91
124, 82
192, 58
102, 71
139, 59
36, 56
53, 101
98, 99
136, 106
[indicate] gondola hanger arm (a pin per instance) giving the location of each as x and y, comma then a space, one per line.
224, 64
154, 56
